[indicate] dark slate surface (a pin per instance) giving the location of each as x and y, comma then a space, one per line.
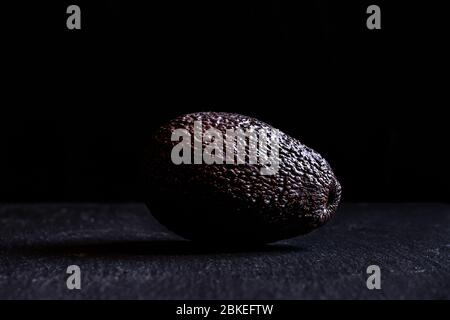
124, 253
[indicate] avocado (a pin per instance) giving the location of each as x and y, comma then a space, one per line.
205, 181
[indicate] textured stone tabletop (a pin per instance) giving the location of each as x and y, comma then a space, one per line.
124, 253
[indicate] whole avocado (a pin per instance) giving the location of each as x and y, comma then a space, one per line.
236, 203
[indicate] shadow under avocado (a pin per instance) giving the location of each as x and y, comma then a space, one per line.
147, 248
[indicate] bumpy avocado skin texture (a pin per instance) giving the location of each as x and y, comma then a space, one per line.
223, 203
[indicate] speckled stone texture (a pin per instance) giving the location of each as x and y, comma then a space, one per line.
231, 203
124, 253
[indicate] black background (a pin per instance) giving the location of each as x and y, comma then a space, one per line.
78, 106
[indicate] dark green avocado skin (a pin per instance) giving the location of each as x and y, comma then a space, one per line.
226, 203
